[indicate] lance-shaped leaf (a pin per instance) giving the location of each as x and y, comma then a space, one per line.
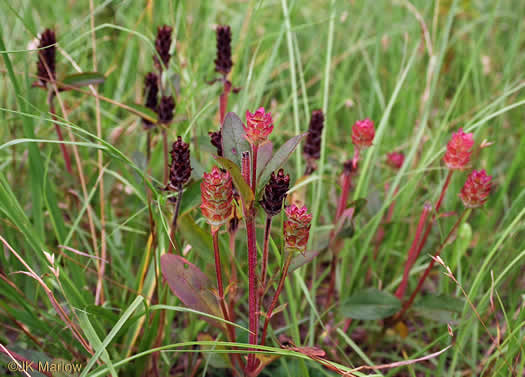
191, 286
278, 160
264, 154
233, 138
370, 304
238, 180
198, 238
301, 259
78, 80
142, 111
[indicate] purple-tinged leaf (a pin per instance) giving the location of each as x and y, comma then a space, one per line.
191, 286
233, 138
264, 154
301, 259
278, 160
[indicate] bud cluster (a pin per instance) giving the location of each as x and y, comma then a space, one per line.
363, 133
296, 228
216, 197
476, 190
46, 65
459, 149
223, 62
162, 46
180, 168
275, 193
259, 126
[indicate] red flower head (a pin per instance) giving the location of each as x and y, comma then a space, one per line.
296, 228
259, 126
363, 133
216, 197
459, 149
395, 160
476, 189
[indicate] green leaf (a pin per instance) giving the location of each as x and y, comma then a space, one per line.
301, 259
123, 319
244, 190
142, 111
190, 285
279, 159
439, 308
94, 340
191, 197
233, 138
198, 238
370, 304
78, 80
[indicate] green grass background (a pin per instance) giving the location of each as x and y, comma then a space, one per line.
353, 59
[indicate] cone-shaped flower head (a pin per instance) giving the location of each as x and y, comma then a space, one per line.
459, 149
395, 160
476, 189
259, 126
312, 146
216, 141
46, 57
165, 109
296, 228
151, 91
223, 62
216, 197
275, 193
180, 169
363, 133
162, 45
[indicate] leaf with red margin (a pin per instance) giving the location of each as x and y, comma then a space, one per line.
191, 286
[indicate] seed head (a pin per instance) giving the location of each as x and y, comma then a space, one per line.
275, 193
312, 146
395, 160
162, 45
46, 57
259, 126
216, 197
223, 62
180, 169
296, 228
216, 141
459, 149
363, 133
151, 92
476, 189
165, 109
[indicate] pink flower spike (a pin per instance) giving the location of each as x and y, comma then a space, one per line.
363, 133
296, 228
395, 160
476, 190
259, 126
459, 149
216, 197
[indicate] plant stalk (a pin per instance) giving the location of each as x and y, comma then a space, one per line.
166, 156
65, 153
267, 230
174, 222
411, 258
223, 100
408, 303
276, 297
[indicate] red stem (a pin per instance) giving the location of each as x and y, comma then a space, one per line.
249, 218
255, 149
223, 100
438, 206
166, 154
408, 303
218, 272
276, 297
65, 153
411, 258
265, 251
443, 190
